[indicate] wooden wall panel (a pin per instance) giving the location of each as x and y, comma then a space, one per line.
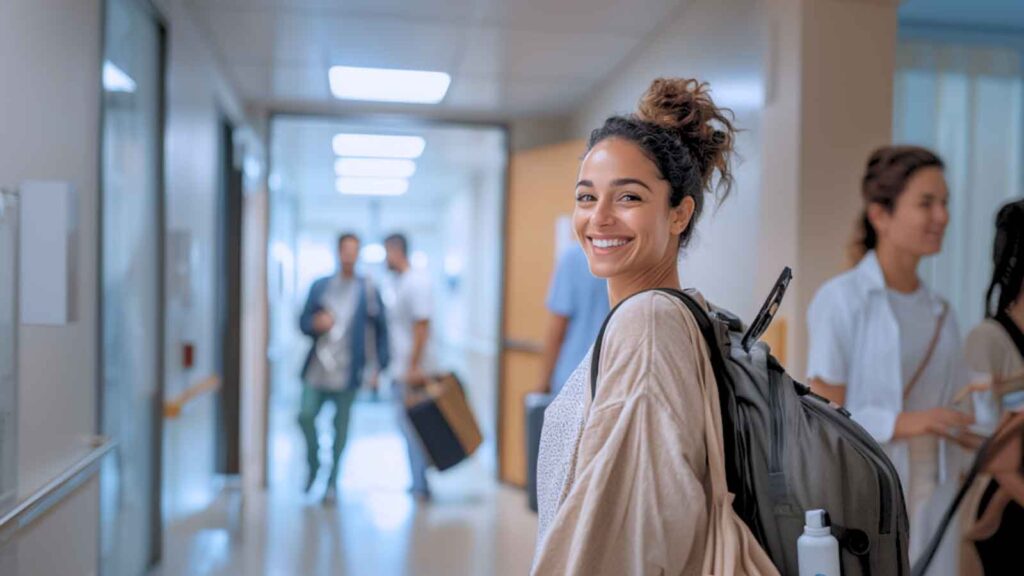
540, 190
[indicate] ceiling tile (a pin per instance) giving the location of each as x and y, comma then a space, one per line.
517, 96
506, 57
268, 36
292, 83
395, 44
621, 17
253, 81
493, 51
450, 11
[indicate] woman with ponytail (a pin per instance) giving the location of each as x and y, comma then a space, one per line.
996, 348
886, 347
627, 475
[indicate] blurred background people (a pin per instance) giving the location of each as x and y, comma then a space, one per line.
338, 312
578, 303
412, 356
995, 350
884, 345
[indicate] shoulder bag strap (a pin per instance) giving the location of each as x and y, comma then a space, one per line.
927, 355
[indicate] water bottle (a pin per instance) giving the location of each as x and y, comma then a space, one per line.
817, 550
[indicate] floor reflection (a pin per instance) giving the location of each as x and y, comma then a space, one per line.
473, 525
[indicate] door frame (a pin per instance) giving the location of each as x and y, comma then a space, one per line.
230, 241
156, 444
406, 120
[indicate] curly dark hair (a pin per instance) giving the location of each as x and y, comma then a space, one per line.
688, 138
400, 240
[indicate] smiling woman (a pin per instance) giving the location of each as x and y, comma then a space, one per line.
643, 180
628, 478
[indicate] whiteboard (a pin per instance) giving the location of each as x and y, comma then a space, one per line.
8, 347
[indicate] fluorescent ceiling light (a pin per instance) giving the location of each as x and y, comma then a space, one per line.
375, 167
384, 85
116, 80
378, 145
372, 186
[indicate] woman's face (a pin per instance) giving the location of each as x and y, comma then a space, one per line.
622, 218
917, 222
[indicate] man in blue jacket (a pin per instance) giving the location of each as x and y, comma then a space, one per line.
343, 315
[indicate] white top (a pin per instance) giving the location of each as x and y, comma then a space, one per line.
916, 320
871, 339
409, 301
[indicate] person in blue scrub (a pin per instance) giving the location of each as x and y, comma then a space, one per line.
578, 302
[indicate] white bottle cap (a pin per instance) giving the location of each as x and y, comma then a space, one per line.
816, 522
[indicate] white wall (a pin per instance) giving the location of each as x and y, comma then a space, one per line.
50, 55
829, 106
50, 62
721, 43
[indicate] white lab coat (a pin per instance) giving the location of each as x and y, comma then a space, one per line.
854, 339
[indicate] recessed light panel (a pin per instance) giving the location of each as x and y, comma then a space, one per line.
387, 85
378, 146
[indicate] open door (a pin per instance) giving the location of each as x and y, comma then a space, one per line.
540, 191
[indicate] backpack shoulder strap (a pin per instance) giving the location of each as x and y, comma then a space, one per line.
704, 323
711, 331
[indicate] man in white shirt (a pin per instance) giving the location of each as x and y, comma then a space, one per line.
411, 357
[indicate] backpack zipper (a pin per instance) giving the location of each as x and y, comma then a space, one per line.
774, 403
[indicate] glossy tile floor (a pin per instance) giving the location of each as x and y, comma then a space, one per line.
472, 526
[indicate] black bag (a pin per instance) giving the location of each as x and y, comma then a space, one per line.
443, 420
536, 404
788, 450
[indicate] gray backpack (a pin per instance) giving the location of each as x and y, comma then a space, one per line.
788, 450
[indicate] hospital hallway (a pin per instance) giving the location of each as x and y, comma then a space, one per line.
222, 219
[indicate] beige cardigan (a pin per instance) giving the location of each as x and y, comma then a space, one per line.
624, 485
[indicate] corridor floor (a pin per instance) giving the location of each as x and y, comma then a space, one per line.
473, 525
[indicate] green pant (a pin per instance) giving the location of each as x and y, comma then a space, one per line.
313, 400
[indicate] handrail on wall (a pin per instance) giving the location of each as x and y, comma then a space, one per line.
523, 345
174, 406
56, 490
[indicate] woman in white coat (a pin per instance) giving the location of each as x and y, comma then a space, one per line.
886, 347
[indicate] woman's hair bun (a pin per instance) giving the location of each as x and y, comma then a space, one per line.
685, 106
